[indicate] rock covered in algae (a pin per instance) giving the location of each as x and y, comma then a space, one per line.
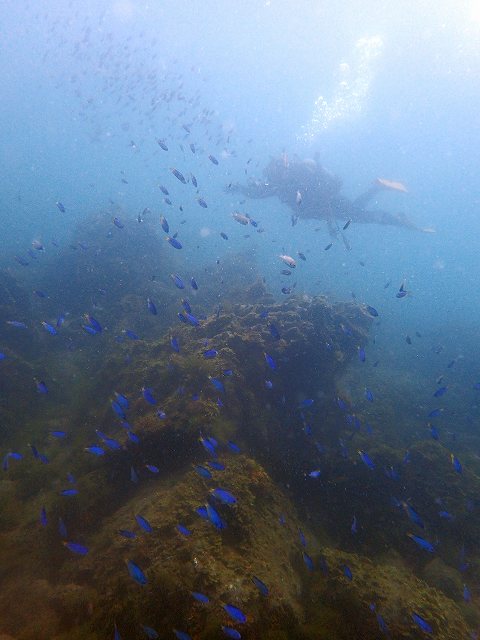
340, 607
260, 539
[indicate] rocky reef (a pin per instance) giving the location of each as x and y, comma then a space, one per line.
262, 414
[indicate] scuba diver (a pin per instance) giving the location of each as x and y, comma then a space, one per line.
311, 191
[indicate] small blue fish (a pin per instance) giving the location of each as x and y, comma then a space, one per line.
301, 536
118, 223
440, 392
361, 354
209, 445
69, 492
93, 322
43, 517
178, 175
182, 635
202, 203
261, 586
218, 384
366, 459
58, 434
434, 413
183, 530
151, 307
304, 404
60, 206
164, 223
235, 613
372, 311
214, 518
174, 242
308, 561
174, 344
79, 549
150, 632
210, 353
230, 632
126, 533
369, 395
177, 281
136, 573
192, 319
147, 394
122, 400
270, 361
186, 305
203, 471
202, 512
347, 572
143, 523
434, 432
193, 283
223, 496
446, 515
421, 542
216, 465
131, 334
213, 159
233, 447
274, 332
353, 528
88, 329
316, 473
49, 328
456, 463
110, 442
423, 624
17, 324
41, 386
96, 450
118, 410
413, 515
200, 597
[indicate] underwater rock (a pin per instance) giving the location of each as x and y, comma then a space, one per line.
220, 564
390, 591
444, 578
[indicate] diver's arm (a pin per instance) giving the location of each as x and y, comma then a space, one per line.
254, 189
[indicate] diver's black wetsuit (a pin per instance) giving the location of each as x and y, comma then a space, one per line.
310, 191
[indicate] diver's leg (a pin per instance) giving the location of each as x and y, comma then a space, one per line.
364, 198
387, 218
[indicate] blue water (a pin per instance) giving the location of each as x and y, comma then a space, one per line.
88, 88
